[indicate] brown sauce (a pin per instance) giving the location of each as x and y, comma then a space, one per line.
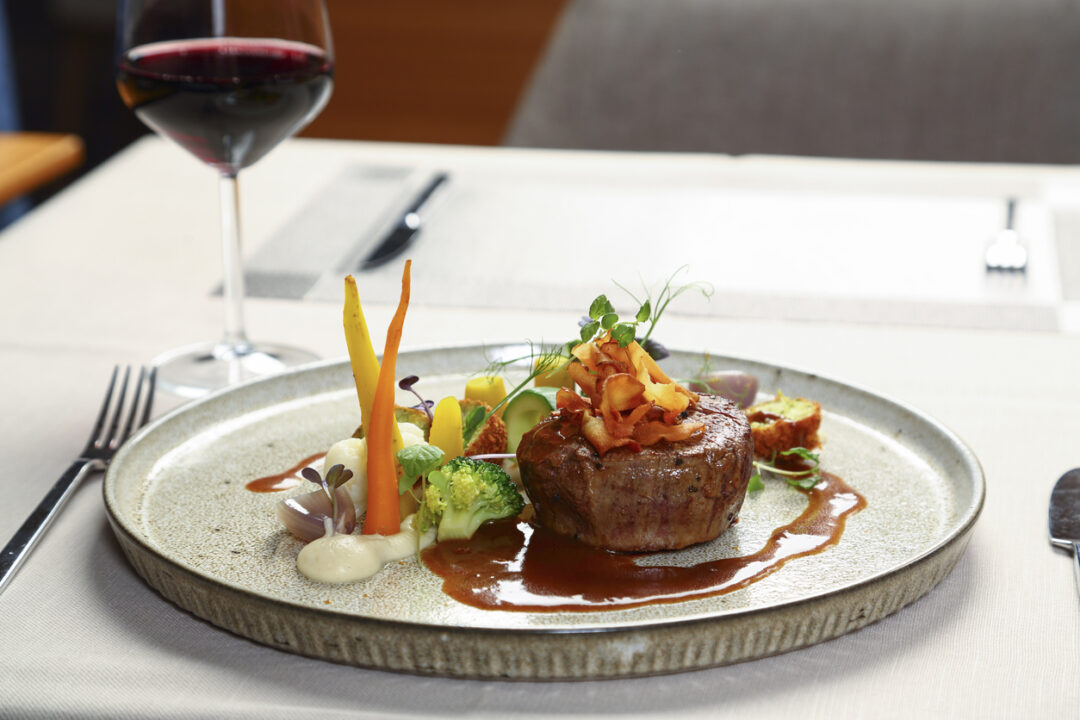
285, 480
516, 566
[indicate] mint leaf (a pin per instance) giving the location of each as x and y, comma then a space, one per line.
417, 461
608, 320
588, 330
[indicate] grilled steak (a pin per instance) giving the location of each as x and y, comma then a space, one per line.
666, 496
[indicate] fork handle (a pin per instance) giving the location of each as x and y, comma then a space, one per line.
27, 536
1076, 563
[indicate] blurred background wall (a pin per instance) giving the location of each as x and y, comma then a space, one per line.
407, 70
960, 80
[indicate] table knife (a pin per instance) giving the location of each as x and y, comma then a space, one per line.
404, 231
1065, 516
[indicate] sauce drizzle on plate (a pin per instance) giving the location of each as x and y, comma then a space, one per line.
284, 480
516, 566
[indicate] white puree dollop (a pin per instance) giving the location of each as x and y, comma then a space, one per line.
347, 558
352, 453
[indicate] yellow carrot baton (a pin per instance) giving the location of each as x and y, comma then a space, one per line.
365, 366
486, 389
446, 428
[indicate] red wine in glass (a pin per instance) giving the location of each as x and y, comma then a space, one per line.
228, 101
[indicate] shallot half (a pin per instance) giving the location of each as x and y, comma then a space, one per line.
305, 516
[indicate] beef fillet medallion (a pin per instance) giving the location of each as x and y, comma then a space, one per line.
664, 497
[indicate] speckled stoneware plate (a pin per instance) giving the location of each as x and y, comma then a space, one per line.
177, 502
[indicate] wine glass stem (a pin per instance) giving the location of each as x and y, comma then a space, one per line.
233, 287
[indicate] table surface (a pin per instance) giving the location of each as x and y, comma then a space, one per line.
124, 264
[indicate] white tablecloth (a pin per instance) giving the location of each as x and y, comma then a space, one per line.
123, 264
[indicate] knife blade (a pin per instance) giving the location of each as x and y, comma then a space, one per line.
1065, 516
405, 230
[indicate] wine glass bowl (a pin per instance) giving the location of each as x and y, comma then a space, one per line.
227, 101
227, 80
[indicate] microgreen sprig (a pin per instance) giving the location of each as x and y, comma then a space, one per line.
603, 319
805, 478
668, 293
406, 383
336, 476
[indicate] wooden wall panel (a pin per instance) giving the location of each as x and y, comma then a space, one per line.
446, 71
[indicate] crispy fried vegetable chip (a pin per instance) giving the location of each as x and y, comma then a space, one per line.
629, 401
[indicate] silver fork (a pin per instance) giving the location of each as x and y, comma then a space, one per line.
1007, 252
105, 438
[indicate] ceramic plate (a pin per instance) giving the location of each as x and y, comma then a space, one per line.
177, 502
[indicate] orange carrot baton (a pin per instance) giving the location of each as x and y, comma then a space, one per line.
382, 509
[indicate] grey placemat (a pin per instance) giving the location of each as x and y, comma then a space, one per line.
341, 222
498, 238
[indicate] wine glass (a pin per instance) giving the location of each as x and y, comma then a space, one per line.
227, 80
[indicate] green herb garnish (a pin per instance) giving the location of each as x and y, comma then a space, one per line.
603, 319
651, 311
803, 478
416, 462
539, 364
472, 422
406, 383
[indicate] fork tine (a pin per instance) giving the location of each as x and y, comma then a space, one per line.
150, 386
100, 422
133, 411
139, 410
109, 439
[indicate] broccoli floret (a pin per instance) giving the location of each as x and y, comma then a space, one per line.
431, 509
463, 495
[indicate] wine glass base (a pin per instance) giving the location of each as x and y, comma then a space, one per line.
195, 370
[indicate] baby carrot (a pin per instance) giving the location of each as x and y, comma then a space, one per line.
446, 428
365, 366
382, 510
486, 389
